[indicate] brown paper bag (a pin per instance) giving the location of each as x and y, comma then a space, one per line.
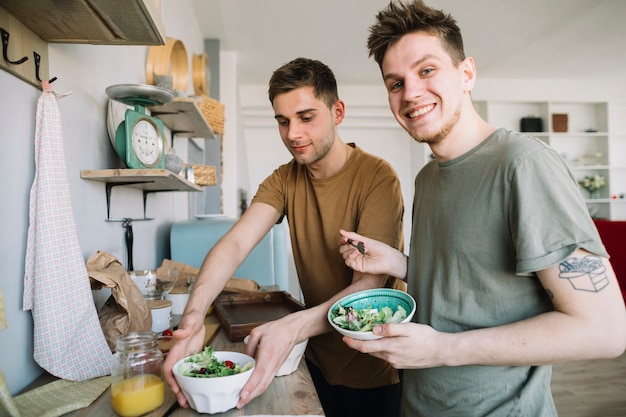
187, 272
126, 310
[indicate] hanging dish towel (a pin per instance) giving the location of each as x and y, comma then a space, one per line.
68, 339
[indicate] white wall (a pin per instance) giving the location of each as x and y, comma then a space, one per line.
370, 124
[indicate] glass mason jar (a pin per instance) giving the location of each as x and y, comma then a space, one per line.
136, 383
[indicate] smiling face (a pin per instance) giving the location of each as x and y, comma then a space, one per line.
306, 125
426, 90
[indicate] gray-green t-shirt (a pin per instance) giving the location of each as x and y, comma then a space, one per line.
482, 224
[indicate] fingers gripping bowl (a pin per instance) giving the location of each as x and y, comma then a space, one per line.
355, 315
219, 391
293, 360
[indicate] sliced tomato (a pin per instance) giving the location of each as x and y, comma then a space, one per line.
229, 364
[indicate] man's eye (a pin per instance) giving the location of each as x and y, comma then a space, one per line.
427, 71
396, 86
306, 118
283, 122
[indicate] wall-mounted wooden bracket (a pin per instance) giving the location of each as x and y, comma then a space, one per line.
25, 54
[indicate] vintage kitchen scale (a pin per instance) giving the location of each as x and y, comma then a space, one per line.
139, 139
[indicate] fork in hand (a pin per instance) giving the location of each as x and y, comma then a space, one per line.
360, 246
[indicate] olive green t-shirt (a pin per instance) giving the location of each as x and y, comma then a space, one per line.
483, 223
364, 196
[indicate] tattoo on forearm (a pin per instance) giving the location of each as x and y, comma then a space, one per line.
586, 274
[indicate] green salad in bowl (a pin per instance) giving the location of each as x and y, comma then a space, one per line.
206, 365
364, 319
357, 314
212, 380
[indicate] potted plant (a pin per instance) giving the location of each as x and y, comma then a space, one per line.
593, 184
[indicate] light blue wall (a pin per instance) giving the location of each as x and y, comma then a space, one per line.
16, 170
85, 70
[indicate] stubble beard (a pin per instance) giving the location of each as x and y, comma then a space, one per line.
319, 151
436, 137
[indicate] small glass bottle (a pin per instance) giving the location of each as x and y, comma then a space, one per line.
136, 382
192, 282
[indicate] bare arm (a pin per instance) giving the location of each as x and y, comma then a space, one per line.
271, 342
588, 322
218, 267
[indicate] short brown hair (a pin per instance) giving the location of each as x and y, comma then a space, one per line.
399, 19
304, 72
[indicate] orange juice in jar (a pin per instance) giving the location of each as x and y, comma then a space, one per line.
137, 395
136, 383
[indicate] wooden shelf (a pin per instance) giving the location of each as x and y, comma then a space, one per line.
183, 115
102, 22
141, 179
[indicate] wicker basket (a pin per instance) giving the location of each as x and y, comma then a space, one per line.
204, 174
213, 112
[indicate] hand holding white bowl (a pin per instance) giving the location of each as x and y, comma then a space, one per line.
215, 394
293, 360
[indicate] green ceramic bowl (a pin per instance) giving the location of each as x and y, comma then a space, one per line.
374, 298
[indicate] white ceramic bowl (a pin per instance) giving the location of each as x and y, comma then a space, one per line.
214, 395
293, 360
373, 298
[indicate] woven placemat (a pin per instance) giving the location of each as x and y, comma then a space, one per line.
60, 397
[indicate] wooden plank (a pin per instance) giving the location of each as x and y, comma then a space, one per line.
24, 43
142, 179
590, 388
183, 115
104, 22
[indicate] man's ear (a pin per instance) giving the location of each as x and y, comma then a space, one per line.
339, 111
469, 73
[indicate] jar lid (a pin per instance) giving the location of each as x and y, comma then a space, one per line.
179, 290
158, 304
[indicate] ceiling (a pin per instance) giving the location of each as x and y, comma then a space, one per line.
580, 39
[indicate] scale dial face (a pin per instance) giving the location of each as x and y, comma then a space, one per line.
147, 142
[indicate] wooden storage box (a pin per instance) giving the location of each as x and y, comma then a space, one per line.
240, 313
559, 122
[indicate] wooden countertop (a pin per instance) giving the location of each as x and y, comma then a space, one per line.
292, 394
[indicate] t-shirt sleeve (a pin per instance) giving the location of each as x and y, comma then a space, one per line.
383, 208
549, 218
271, 190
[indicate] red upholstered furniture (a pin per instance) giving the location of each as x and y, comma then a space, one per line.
613, 235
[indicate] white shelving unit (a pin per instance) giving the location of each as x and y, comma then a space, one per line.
594, 143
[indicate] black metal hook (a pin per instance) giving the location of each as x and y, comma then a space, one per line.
128, 224
37, 62
5, 49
